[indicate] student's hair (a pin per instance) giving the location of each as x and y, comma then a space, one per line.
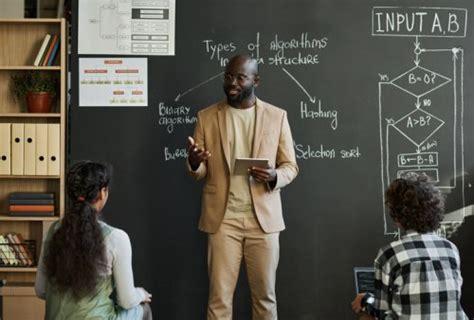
75, 255
415, 202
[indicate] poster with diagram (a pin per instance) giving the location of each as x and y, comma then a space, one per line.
127, 27
115, 82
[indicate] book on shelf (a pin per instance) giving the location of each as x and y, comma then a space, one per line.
30, 201
3, 258
8, 251
31, 208
42, 50
31, 195
31, 213
54, 52
53, 41
14, 251
24, 251
24, 204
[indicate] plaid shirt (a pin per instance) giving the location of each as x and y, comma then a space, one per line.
418, 277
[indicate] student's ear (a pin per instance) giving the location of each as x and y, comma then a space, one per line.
102, 193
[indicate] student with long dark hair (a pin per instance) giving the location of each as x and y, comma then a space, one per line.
84, 260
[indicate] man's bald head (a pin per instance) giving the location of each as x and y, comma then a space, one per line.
249, 63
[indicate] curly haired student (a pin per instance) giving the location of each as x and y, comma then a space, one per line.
418, 276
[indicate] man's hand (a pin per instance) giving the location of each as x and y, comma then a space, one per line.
357, 303
196, 155
263, 175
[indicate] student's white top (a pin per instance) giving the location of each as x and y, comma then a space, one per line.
118, 263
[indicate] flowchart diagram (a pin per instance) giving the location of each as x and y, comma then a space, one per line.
421, 109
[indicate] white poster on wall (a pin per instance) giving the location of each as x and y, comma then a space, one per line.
127, 27
115, 82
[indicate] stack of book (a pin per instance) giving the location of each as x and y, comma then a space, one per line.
48, 50
31, 204
15, 251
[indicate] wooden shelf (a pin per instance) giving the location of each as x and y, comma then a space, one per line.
18, 269
32, 20
5, 217
13, 177
30, 115
23, 38
19, 68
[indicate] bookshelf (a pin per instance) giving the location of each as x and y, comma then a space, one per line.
20, 40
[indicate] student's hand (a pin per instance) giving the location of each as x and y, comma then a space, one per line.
357, 303
263, 174
146, 295
196, 155
365, 316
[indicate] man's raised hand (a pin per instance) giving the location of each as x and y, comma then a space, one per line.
196, 155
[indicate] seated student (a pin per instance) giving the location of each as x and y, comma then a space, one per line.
84, 259
418, 276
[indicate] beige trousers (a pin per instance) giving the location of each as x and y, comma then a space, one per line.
236, 239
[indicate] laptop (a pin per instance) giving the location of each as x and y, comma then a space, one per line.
364, 279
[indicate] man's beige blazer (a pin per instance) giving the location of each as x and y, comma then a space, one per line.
272, 140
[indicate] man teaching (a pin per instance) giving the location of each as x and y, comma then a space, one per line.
242, 214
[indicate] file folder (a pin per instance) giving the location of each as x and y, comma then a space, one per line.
41, 149
5, 149
17, 139
30, 149
53, 149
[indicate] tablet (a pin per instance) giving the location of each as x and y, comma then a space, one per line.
242, 165
364, 279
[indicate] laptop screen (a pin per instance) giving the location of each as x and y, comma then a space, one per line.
364, 279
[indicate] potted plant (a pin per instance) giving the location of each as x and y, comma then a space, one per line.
37, 88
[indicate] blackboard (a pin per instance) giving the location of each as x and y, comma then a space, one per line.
371, 91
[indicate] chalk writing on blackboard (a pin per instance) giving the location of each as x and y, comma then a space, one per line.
421, 109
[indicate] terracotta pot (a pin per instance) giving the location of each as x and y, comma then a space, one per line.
39, 102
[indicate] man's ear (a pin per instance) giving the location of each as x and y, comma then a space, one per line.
256, 81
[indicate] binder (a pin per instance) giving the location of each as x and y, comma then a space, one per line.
30, 149
53, 149
5, 149
41, 149
17, 148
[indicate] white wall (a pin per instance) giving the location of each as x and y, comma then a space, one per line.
12, 9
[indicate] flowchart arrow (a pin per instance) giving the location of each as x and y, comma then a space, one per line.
311, 98
180, 95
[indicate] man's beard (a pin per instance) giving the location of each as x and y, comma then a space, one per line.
244, 94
